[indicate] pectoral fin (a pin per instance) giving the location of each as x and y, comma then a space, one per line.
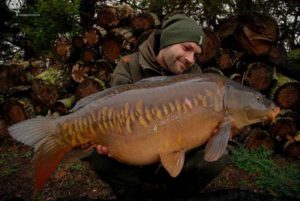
173, 162
216, 146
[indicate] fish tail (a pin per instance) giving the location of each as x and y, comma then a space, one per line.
40, 133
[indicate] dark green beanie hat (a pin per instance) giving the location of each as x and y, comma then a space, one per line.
180, 28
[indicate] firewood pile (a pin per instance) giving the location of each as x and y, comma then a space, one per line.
244, 48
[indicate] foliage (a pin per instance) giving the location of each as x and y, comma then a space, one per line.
294, 56
57, 77
8, 34
36, 34
56, 17
76, 167
271, 177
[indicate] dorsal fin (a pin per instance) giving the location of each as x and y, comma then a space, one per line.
111, 91
117, 89
155, 79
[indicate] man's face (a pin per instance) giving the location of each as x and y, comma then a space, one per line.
178, 58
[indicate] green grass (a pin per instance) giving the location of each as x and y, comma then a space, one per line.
76, 167
275, 179
28, 154
7, 168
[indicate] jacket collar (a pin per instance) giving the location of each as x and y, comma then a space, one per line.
148, 51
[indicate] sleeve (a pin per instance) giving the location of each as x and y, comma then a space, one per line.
121, 74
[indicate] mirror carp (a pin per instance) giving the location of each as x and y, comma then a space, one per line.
155, 120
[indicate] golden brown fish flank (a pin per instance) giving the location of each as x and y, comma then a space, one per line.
112, 120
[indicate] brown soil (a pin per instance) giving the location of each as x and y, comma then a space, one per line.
74, 178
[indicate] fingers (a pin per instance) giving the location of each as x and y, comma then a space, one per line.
102, 150
88, 146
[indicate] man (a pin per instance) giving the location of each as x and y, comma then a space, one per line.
171, 51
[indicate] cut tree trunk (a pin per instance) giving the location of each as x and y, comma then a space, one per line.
5, 84
104, 71
80, 72
62, 106
227, 58
111, 48
11, 75
250, 32
91, 37
257, 138
237, 77
227, 28
19, 91
107, 17
44, 93
36, 67
125, 35
283, 129
277, 54
287, 96
63, 49
293, 150
88, 87
14, 112
259, 76
90, 55
17, 74
257, 33
211, 46
77, 42
142, 22
295, 116
125, 11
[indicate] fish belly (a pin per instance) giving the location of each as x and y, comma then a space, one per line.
182, 133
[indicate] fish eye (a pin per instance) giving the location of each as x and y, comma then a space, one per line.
258, 98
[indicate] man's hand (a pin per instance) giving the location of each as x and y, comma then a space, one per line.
102, 150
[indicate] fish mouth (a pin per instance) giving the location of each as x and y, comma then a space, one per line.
273, 114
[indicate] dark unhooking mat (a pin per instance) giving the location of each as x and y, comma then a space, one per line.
220, 195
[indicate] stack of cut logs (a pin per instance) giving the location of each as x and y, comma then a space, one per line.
244, 48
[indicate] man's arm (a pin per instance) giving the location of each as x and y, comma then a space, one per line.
122, 74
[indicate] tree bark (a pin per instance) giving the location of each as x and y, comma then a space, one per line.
44, 93
259, 76
211, 46
257, 138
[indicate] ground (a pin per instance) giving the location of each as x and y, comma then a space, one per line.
74, 178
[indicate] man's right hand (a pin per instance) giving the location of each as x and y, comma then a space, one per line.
102, 150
